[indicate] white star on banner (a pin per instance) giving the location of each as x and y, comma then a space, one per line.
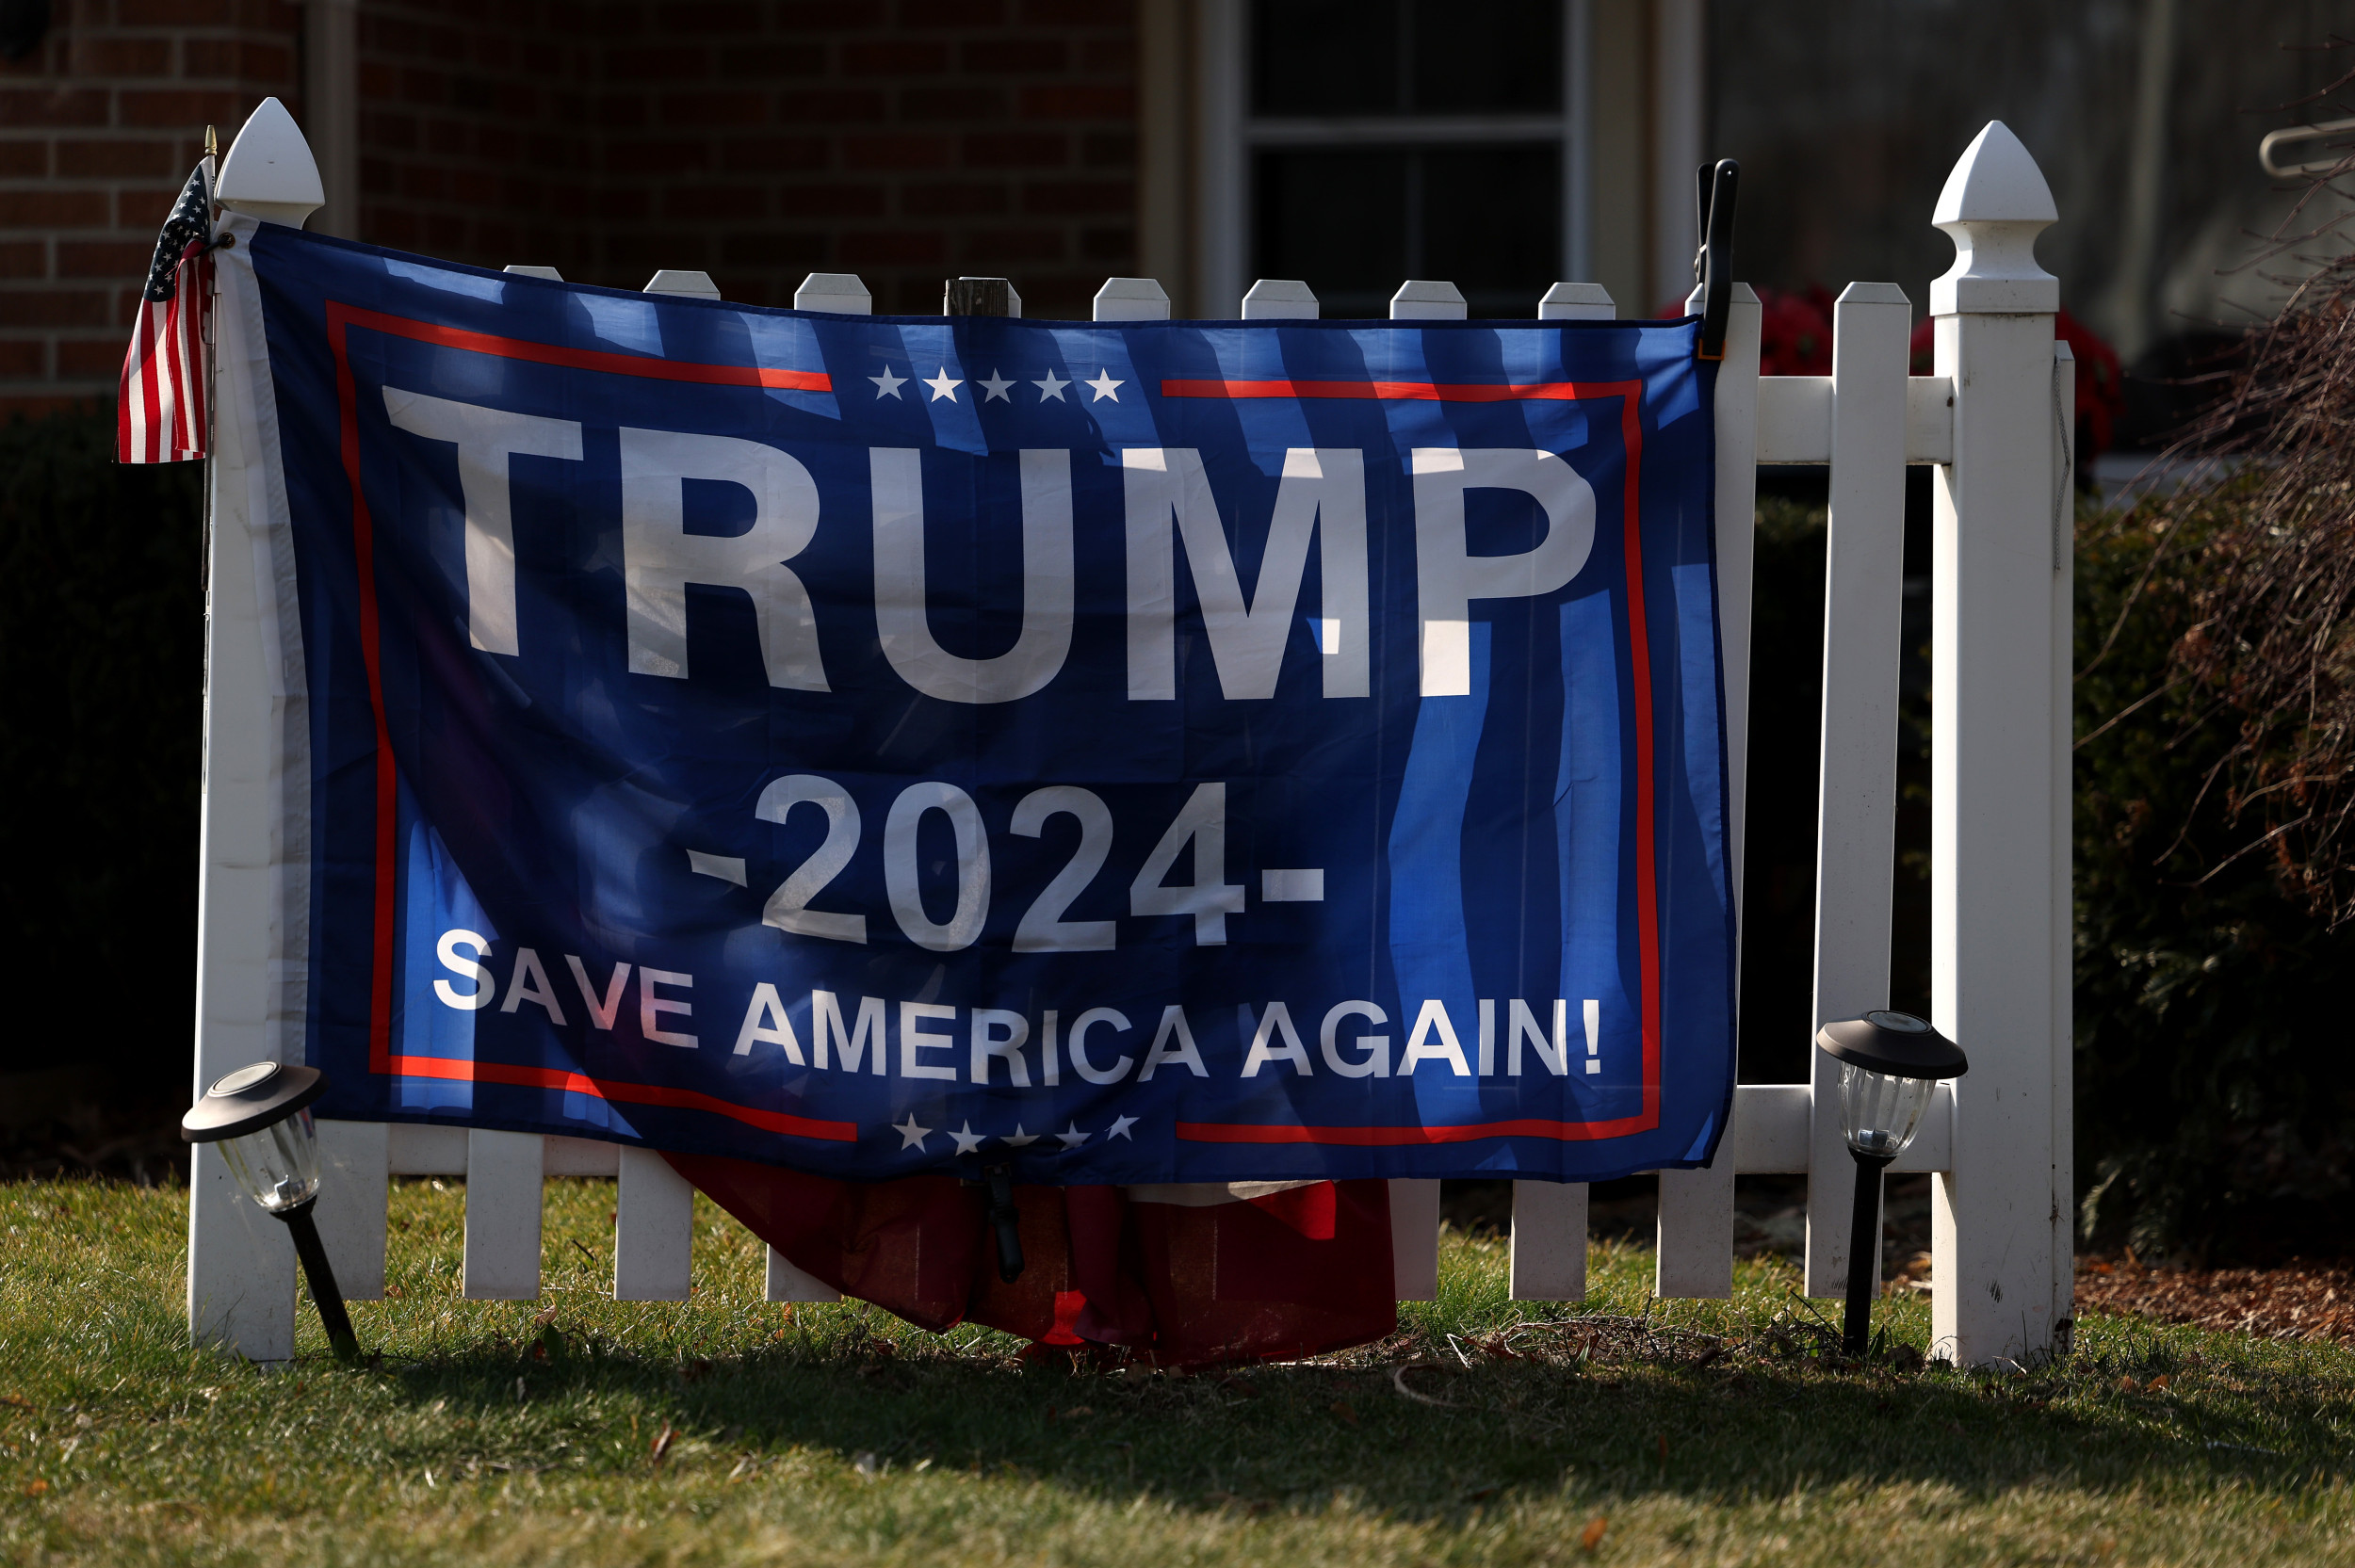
966, 1139
1120, 1128
995, 387
1072, 1138
1017, 1138
1051, 388
911, 1136
887, 384
944, 385
1104, 386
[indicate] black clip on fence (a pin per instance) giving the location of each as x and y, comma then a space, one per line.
1713, 267
1005, 1219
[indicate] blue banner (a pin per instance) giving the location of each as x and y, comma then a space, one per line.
1145, 750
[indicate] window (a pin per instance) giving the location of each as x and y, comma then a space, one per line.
1376, 140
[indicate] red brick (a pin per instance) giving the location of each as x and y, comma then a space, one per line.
1005, 56
90, 57
1109, 150
53, 307
952, 13
641, 155
103, 258
944, 198
1077, 101
830, 106
774, 155
1115, 56
1076, 13
53, 209
182, 107
830, 201
143, 212
1116, 248
22, 360
1016, 149
675, 63
922, 103
25, 258
23, 160
241, 58
59, 105
87, 358
174, 13
895, 151
118, 160
1078, 196
33, 405
810, 16
711, 16
796, 252
729, 203
894, 58
893, 248
622, 112
772, 60
1001, 247
716, 108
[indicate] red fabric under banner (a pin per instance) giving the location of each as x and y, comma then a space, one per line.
1185, 1283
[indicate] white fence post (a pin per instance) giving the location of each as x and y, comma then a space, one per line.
241, 1265
2063, 664
1998, 944
1855, 832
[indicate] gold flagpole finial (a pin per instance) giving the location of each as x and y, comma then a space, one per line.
212, 142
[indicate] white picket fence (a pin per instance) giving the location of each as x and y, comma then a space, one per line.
1995, 422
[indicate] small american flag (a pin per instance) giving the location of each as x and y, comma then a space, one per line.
160, 416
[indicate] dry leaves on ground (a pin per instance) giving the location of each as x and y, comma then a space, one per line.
2297, 1301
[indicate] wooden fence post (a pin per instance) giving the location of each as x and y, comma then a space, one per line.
1999, 963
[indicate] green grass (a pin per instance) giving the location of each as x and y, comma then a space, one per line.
837, 1434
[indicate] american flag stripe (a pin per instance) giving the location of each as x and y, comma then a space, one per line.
161, 416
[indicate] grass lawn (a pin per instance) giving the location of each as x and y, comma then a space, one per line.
577, 1429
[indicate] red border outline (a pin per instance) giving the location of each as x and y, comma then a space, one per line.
381, 1061
1631, 396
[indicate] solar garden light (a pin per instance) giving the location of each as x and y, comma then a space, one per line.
1890, 1066
261, 1118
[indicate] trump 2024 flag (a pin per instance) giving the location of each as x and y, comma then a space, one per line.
1142, 752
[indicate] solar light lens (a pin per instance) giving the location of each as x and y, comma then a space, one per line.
1881, 1110
278, 1166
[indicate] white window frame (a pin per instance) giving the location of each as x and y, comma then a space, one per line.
1227, 137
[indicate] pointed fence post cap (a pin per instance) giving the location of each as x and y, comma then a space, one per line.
1427, 299
270, 172
1131, 299
1995, 204
1577, 302
838, 292
695, 285
1280, 300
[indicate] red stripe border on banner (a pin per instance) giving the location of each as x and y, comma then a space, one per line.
1630, 395
340, 318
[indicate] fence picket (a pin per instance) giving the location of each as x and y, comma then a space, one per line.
654, 1229
354, 1187
1280, 300
1856, 833
1547, 1246
503, 1176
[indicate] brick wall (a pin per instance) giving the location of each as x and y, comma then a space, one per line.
905, 140
99, 127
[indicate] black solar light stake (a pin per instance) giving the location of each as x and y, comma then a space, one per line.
1890, 1066
261, 1118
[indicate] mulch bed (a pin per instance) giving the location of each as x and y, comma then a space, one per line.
2295, 1301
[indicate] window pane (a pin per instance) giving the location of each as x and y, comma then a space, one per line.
1486, 56
1355, 223
1337, 220
1492, 224
1325, 57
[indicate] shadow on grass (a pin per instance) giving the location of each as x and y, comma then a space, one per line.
1423, 1442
